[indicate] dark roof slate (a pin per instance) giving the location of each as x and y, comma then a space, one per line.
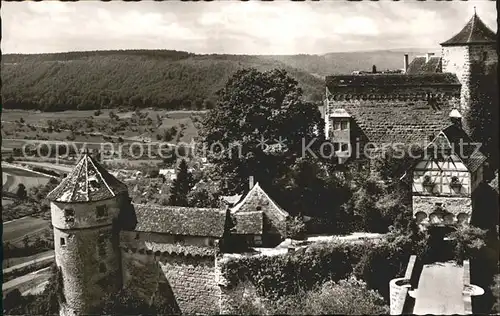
474, 32
248, 223
453, 140
433, 65
186, 221
416, 65
87, 182
394, 80
399, 121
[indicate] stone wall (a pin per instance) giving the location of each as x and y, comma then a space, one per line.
459, 209
399, 288
458, 60
232, 297
88, 274
85, 214
190, 280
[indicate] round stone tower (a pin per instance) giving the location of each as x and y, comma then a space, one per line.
84, 210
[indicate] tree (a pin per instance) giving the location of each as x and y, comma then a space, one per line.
181, 186
21, 191
256, 107
481, 117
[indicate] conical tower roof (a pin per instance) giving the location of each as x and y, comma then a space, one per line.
87, 182
474, 32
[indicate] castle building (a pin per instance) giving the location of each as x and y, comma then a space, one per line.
364, 113
104, 243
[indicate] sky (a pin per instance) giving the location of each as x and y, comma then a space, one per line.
234, 27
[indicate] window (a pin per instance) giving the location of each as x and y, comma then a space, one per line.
137, 236
485, 56
102, 267
63, 241
336, 125
344, 147
343, 125
101, 211
101, 245
69, 215
258, 240
336, 146
178, 239
340, 124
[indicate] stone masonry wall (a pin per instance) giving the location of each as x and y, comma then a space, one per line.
461, 208
191, 280
85, 280
232, 297
458, 59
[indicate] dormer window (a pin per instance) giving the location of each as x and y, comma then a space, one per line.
69, 215
340, 124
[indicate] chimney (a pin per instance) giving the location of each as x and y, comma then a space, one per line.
250, 182
374, 69
428, 56
405, 65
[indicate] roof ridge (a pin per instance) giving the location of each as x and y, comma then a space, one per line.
100, 175
472, 26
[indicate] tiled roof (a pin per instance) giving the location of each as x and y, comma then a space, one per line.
163, 249
416, 64
255, 206
87, 182
433, 65
248, 223
452, 140
394, 121
391, 80
474, 32
174, 220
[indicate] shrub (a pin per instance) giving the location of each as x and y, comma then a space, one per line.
495, 290
468, 241
297, 228
346, 297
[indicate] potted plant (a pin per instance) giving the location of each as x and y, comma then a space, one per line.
428, 184
455, 183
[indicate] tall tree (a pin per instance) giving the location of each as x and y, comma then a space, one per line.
254, 110
181, 186
262, 127
481, 117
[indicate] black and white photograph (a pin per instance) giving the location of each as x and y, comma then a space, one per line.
250, 157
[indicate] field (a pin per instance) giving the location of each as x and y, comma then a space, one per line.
12, 177
14, 231
22, 126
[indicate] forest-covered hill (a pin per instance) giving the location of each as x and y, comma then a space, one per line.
157, 78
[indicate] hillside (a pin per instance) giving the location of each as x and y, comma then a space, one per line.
163, 79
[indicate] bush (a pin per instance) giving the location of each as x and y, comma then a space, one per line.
346, 297
495, 290
297, 228
468, 241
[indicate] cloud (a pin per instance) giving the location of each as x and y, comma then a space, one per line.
251, 27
